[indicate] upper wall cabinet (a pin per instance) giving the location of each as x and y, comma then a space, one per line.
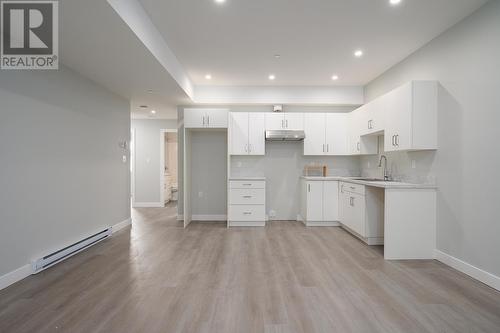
326, 134
284, 121
358, 144
205, 118
411, 117
246, 130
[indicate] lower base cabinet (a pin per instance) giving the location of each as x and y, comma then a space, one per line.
361, 211
247, 203
319, 202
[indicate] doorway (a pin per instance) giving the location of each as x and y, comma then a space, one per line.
168, 167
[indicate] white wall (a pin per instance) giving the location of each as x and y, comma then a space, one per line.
465, 60
147, 158
62, 175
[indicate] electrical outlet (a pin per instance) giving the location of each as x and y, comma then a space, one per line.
124, 158
413, 164
200, 194
272, 213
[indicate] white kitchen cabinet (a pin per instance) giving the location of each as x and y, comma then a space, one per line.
247, 133
360, 145
372, 117
326, 134
411, 117
319, 202
247, 203
205, 118
284, 121
361, 211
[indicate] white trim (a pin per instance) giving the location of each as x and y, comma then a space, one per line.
163, 131
321, 224
207, 218
246, 224
147, 205
15, 276
121, 225
466, 268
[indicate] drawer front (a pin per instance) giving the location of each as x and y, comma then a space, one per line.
247, 184
247, 213
354, 188
243, 196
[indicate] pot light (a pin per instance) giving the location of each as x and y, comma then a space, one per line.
220, 1
153, 112
272, 77
208, 77
358, 53
277, 56
335, 77
394, 2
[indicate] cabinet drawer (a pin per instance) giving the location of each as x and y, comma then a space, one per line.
247, 184
354, 188
239, 196
247, 213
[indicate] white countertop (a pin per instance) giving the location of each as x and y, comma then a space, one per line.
247, 178
382, 184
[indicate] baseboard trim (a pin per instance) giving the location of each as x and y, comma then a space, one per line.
121, 225
147, 205
321, 224
247, 224
208, 218
477, 273
14, 276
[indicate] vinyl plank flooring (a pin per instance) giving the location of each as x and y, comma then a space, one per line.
284, 278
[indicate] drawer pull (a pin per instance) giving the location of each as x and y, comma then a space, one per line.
353, 188
247, 184
247, 196
247, 213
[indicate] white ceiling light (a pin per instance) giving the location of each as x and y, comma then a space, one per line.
358, 53
335, 77
208, 77
153, 112
394, 2
277, 56
220, 1
272, 77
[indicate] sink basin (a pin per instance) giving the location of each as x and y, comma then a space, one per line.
373, 180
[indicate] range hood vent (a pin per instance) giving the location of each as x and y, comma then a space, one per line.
285, 135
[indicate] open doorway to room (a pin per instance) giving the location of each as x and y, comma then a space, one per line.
168, 167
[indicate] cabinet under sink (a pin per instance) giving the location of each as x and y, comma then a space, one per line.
361, 211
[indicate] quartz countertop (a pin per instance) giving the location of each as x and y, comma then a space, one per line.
382, 184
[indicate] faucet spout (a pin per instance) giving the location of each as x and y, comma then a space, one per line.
386, 175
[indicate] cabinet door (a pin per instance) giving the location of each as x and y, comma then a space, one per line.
337, 134
354, 133
398, 119
294, 121
314, 128
314, 201
357, 206
345, 208
216, 118
330, 201
239, 133
256, 133
275, 121
194, 118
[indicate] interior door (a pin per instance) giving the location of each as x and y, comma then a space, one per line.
275, 121
314, 201
256, 133
337, 134
330, 201
314, 128
239, 133
294, 121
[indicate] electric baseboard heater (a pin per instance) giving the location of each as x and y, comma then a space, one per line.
56, 257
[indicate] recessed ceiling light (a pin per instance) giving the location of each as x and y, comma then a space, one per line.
220, 1
272, 77
335, 77
208, 77
277, 56
150, 91
358, 53
394, 2
153, 112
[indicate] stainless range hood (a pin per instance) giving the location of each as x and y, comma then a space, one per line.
285, 135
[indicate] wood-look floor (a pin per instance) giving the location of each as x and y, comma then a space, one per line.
158, 277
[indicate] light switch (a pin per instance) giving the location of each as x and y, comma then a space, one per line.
124, 158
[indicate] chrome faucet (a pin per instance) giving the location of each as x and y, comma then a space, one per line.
386, 175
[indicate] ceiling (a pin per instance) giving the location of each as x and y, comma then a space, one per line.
236, 41
95, 42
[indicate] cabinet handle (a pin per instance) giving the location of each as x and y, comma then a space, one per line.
247, 213
358, 146
342, 188
208, 120
397, 140
283, 123
327, 147
286, 122
249, 148
203, 120
247, 196
308, 187
393, 140
247, 184
323, 147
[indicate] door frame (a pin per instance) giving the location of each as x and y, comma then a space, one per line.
163, 132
